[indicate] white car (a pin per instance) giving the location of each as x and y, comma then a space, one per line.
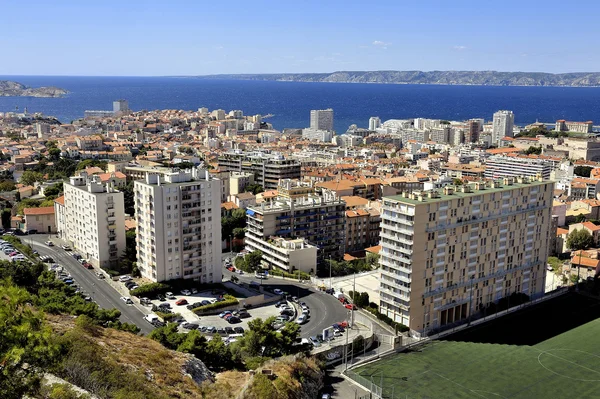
49, 243
124, 279
301, 319
186, 292
127, 300
170, 295
65, 247
277, 291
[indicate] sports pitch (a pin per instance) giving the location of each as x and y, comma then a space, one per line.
479, 365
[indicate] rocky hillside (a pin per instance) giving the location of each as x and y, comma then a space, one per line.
15, 89
478, 78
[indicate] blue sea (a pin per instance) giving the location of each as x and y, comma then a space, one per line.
291, 102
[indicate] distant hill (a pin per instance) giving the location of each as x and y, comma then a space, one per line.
477, 78
15, 89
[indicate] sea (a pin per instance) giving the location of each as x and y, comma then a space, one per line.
290, 102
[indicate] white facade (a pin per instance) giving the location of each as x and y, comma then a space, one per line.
321, 119
374, 123
503, 124
320, 135
179, 226
94, 220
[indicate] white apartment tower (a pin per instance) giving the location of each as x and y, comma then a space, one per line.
94, 219
121, 106
503, 124
321, 119
448, 254
374, 122
179, 226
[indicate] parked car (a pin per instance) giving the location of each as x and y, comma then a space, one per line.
190, 326
229, 330
88, 265
76, 255
224, 313
127, 300
194, 291
133, 287
125, 278
186, 292
350, 306
302, 319
49, 243
145, 301
65, 247
238, 330
277, 291
170, 295
181, 302
204, 303
314, 340
211, 329
295, 299
164, 305
221, 331
100, 275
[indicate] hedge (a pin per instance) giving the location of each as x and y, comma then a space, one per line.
229, 300
387, 320
150, 290
298, 275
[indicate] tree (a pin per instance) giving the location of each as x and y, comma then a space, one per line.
254, 188
583, 171
54, 154
128, 199
580, 218
54, 190
253, 260
218, 356
7, 185
29, 177
579, 240
288, 336
239, 232
533, 150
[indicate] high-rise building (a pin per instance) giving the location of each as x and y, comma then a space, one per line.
179, 226
121, 106
94, 219
299, 212
321, 119
472, 131
267, 168
499, 166
374, 122
448, 254
503, 124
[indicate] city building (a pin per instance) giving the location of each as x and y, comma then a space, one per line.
321, 119
503, 124
498, 166
179, 226
447, 255
299, 212
317, 135
40, 220
579, 127
362, 229
94, 219
238, 182
120, 106
374, 123
288, 254
267, 168
472, 131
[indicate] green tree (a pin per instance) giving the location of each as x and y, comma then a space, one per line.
583, 171
194, 343
54, 190
288, 336
218, 356
239, 232
533, 150
29, 177
54, 154
253, 260
7, 185
128, 199
254, 188
579, 240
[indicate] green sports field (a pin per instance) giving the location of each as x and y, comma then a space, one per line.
566, 365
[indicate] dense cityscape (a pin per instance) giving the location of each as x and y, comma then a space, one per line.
202, 225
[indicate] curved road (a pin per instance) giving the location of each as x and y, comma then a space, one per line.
100, 290
324, 308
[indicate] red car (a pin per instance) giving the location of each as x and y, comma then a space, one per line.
343, 324
181, 302
87, 265
350, 306
231, 269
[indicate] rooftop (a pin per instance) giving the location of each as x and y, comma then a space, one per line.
457, 193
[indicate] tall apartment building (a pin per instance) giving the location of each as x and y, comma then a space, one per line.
121, 106
499, 166
447, 255
374, 123
301, 213
267, 168
503, 124
472, 131
321, 119
94, 219
362, 229
179, 226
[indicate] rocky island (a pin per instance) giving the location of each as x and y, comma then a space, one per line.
472, 78
15, 89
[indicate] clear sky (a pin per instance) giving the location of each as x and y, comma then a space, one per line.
196, 37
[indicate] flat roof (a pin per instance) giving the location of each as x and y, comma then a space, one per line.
460, 194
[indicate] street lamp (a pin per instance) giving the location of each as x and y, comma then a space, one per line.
330, 281
470, 300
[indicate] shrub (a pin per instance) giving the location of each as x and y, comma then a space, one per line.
296, 275
387, 320
229, 301
150, 290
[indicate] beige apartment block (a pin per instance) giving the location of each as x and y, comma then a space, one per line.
447, 254
178, 216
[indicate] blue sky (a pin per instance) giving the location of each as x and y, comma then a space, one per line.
178, 37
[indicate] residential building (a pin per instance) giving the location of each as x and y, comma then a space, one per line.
374, 123
321, 119
499, 166
317, 135
267, 168
179, 226
472, 131
40, 220
94, 220
288, 254
60, 216
503, 125
299, 212
238, 182
362, 229
448, 254
121, 106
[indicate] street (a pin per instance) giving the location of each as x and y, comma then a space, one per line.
100, 290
